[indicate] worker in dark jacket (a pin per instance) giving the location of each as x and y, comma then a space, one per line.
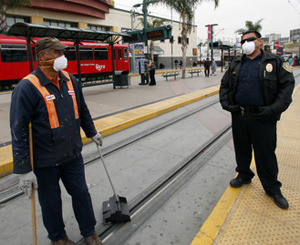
52, 100
256, 89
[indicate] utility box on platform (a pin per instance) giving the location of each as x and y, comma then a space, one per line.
121, 78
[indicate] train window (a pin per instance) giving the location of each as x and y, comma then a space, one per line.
85, 53
70, 53
101, 54
125, 54
13, 53
120, 53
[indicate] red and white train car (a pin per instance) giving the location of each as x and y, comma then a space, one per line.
95, 59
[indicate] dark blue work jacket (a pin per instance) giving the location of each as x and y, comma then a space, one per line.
276, 81
51, 146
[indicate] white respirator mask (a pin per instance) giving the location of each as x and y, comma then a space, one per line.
60, 63
248, 47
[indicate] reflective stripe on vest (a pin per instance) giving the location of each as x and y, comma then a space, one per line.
72, 93
53, 119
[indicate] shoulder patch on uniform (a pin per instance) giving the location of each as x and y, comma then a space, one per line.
287, 67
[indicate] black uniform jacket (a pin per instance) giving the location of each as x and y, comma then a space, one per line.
276, 80
51, 146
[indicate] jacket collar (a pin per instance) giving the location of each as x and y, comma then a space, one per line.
44, 80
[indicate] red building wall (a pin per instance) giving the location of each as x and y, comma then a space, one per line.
92, 8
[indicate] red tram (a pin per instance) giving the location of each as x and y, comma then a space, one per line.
95, 59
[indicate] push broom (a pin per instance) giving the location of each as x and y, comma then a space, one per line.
115, 210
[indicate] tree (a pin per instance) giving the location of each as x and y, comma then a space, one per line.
155, 23
186, 10
250, 26
7, 5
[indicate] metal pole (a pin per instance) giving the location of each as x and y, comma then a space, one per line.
113, 61
28, 39
132, 45
145, 11
172, 40
78, 61
222, 59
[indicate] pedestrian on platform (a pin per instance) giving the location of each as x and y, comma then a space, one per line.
213, 67
206, 67
180, 64
151, 66
256, 89
176, 64
52, 101
191, 62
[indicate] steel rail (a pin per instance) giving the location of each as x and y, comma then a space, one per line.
13, 192
143, 206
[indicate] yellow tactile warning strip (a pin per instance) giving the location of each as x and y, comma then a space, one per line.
247, 215
117, 122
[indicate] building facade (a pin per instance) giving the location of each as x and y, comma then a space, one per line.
101, 15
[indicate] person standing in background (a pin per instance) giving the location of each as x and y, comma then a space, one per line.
207, 67
151, 66
213, 67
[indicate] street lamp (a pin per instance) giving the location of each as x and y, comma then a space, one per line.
145, 12
212, 38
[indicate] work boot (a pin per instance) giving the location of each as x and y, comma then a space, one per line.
279, 200
65, 241
93, 240
238, 182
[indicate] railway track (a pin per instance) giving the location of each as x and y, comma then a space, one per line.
146, 203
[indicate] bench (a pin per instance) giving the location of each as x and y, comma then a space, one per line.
192, 72
170, 74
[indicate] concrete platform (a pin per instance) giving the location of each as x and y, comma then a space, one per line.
127, 103
247, 215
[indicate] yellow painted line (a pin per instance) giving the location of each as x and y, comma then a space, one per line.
120, 121
216, 219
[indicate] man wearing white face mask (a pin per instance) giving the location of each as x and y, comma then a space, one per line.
52, 100
256, 89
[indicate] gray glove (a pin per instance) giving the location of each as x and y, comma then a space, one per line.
27, 181
97, 139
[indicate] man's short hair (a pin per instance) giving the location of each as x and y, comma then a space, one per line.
49, 42
258, 35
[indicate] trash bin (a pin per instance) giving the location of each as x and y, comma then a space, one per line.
121, 78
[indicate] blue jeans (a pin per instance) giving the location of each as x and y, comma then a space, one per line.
73, 177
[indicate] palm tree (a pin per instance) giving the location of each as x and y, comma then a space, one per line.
155, 23
250, 26
185, 8
7, 5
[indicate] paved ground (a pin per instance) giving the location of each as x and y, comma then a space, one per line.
103, 99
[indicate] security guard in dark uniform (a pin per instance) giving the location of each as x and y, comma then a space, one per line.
52, 100
256, 89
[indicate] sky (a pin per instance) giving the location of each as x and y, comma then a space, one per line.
279, 16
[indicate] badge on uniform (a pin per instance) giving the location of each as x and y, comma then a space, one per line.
269, 67
71, 92
50, 97
287, 67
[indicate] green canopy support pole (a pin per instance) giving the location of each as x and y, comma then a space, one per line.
113, 62
78, 61
28, 39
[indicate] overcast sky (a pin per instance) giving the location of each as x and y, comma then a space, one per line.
280, 16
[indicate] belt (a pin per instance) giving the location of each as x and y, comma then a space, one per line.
249, 109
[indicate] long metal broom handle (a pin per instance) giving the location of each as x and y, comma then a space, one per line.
112, 186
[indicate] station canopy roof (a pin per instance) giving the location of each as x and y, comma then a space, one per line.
64, 33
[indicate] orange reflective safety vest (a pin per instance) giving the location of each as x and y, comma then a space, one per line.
48, 98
